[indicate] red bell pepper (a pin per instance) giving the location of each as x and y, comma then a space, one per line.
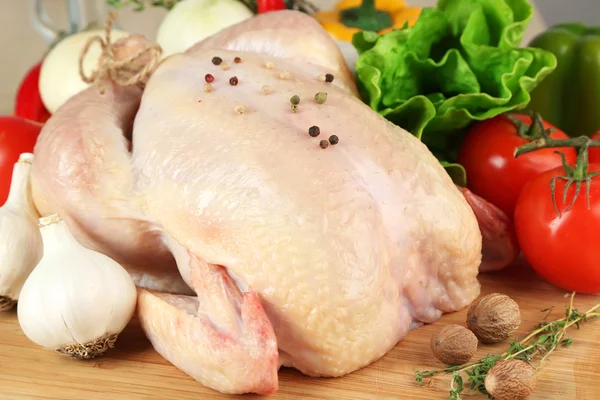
270, 5
28, 102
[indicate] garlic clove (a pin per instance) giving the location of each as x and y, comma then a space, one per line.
20, 238
77, 301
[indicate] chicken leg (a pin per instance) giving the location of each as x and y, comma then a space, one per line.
222, 338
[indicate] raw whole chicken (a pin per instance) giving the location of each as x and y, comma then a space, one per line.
317, 259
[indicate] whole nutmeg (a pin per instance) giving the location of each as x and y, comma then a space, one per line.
493, 318
510, 380
454, 345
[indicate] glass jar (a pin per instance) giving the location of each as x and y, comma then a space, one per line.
77, 16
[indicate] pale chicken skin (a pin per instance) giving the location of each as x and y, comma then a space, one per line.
318, 259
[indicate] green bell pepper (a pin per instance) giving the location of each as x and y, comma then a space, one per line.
570, 96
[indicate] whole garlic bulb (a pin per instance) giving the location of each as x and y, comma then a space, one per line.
20, 239
76, 301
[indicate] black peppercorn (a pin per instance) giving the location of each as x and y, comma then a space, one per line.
333, 139
314, 131
233, 81
237, 60
328, 78
217, 60
323, 144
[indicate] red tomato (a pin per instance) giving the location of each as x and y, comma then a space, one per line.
594, 152
560, 248
487, 153
264, 6
17, 136
28, 102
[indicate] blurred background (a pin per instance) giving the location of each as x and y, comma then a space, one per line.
21, 46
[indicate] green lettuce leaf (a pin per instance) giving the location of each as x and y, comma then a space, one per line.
459, 63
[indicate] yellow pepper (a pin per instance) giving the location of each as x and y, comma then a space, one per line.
381, 16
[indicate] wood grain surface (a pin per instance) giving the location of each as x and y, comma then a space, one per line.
134, 371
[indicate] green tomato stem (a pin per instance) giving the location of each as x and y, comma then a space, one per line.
366, 17
578, 174
531, 132
546, 142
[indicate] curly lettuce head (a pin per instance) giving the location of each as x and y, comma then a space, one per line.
459, 63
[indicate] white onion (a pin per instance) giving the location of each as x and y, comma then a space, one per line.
59, 75
191, 21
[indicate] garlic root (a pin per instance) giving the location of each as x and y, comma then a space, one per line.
20, 238
89, 350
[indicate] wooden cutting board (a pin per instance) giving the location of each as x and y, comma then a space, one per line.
134, 371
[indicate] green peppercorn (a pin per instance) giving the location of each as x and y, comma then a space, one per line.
321, 97
294, 108
295, 100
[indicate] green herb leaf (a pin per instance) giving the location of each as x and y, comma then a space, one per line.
514, 347
419, 377
454, 395
459, 381
543, 339
457, 386
456, 171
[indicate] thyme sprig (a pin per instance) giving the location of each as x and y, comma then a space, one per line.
546, 337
